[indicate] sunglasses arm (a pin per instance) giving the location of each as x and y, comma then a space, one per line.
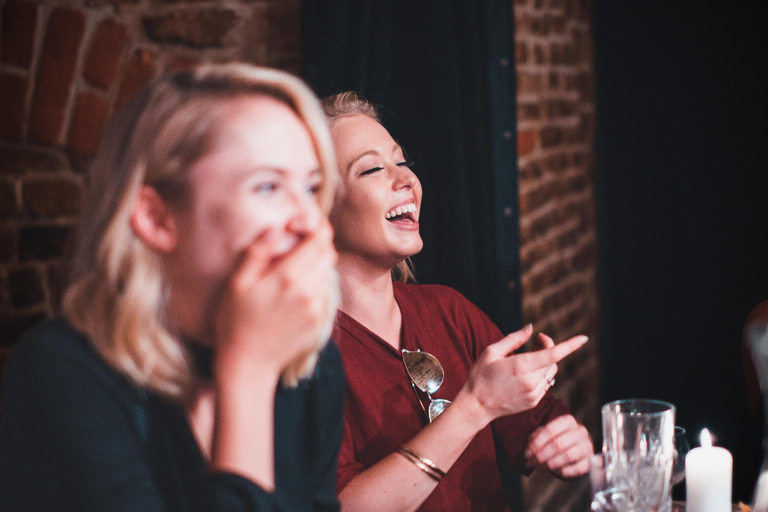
418, 399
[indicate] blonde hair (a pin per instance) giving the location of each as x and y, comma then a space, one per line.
118, 290
349, 103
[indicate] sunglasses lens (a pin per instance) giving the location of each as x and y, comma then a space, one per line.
436, 407
424, 369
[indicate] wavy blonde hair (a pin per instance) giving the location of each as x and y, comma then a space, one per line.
346, 104
118, 292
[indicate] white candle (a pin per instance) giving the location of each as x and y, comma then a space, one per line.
708, 477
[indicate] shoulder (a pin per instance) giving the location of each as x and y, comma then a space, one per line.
55, 362
50, 343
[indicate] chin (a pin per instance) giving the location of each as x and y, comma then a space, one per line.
411, 250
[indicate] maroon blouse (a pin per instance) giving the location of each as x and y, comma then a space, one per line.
381, 411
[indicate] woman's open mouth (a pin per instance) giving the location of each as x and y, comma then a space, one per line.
403, 215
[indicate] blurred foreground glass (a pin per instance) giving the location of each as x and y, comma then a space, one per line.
624, 481
638, 425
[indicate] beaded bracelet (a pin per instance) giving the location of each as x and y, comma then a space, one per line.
425, 465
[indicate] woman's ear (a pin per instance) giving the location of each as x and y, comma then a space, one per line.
153, 221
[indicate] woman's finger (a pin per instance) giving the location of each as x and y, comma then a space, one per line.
548, 356
508, 344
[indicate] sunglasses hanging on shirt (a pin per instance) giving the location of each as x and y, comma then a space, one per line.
426, 373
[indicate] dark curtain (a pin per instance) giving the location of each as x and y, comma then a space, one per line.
683, 209
443, 74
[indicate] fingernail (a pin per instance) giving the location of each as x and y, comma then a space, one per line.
528, 327
584, 339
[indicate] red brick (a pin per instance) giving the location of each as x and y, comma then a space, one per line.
13, 95
543, 223
200, 28
539, 196
521, 52
532, 253
57, 70
51, 198
551, 136
140, 72
284, 35
526, 142
8, 205
43, 243
549, 275
528, 112
90, 116
16, 161
104, 53
18, 34
585, 258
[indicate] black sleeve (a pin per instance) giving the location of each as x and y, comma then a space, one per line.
329, 388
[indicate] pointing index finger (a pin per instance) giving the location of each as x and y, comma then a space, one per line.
547, 356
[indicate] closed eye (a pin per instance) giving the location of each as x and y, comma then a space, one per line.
407, 163
371, 171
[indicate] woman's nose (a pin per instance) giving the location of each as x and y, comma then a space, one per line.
305, 215
404, 177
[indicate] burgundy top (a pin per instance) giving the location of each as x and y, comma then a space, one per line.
381, 411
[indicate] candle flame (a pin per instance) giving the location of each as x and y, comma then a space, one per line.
705, 438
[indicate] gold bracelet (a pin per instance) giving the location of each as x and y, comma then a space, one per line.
425, 465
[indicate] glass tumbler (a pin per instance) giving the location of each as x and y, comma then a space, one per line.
644, 427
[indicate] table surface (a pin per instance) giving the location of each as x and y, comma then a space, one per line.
679, 506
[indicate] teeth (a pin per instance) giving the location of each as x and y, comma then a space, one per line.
394, 212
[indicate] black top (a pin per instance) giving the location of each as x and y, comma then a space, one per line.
77, 436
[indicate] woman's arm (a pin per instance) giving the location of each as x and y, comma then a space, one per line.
500, 383
270, 315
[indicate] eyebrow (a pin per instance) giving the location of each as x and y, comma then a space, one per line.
371, 152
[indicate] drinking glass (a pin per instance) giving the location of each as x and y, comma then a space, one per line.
646, 427
682, 447
626, 481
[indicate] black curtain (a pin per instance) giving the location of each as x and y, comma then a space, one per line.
683, 209
443, 74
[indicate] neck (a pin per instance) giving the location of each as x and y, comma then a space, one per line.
367, 295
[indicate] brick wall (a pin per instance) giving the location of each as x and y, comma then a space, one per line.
66, 65
556, 113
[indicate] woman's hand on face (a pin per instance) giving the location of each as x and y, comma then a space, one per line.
563, 446
274, 306
504, 383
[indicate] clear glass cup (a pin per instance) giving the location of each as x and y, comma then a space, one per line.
646, 427
628, 482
